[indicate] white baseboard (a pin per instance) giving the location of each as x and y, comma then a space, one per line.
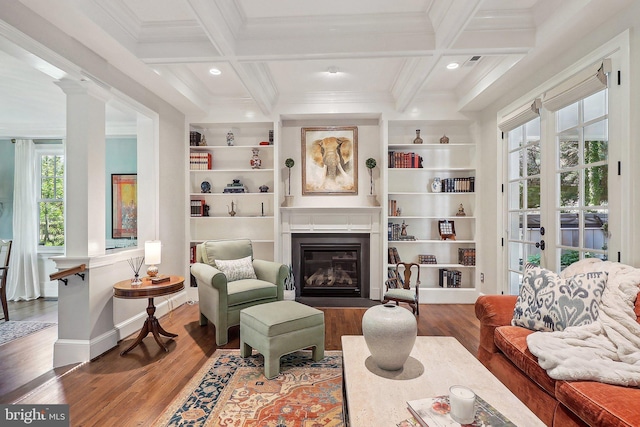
67, 352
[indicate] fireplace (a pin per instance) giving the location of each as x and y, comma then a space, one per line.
331, 265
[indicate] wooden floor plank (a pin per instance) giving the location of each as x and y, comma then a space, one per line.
134, 389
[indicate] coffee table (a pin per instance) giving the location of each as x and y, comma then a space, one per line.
125, 289
379, 398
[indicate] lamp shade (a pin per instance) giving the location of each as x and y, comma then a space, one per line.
152, 251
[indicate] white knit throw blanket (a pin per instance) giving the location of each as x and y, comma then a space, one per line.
607, 350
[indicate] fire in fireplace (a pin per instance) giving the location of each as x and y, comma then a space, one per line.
331, 265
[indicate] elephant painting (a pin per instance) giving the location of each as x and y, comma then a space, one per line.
330, 160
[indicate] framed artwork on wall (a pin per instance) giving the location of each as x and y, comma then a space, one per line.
330, 160
124, 206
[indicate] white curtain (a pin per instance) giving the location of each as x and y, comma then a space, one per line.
23, 278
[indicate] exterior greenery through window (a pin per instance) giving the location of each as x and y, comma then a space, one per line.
51, 201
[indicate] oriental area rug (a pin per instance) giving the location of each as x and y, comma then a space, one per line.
12, 330
230, 390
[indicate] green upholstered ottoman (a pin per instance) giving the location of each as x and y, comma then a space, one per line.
278, 328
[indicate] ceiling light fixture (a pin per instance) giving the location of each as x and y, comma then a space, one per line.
332, 70
215, 71
452, 66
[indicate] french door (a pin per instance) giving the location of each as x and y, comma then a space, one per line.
557, 188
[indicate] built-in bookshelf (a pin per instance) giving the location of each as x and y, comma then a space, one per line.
416, 212
229, 197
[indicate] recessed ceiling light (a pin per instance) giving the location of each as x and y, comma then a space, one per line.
215, 71
332, 70
452, 65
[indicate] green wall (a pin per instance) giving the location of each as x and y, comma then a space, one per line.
7, 160
121, 157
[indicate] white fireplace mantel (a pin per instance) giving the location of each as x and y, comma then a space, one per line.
353, 219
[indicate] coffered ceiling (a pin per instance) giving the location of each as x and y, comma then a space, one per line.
280, 52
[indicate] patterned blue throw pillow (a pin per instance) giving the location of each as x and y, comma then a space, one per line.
550, 303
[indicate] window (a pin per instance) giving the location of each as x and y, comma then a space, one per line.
582, 174
51, 198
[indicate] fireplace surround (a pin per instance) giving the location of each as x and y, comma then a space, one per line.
331, 265
337, 221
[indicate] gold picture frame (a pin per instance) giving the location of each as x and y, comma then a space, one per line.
330, 160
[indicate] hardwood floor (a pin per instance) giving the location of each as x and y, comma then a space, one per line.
133, 390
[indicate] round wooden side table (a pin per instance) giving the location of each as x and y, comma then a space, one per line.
125, 289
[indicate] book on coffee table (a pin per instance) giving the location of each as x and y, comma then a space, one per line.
160, 279
435, 412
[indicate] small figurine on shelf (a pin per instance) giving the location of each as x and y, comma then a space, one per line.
205, 210
255, 160
461, 211
230, 138
444, 139
404, 229
263, 188
270, 137
203, 141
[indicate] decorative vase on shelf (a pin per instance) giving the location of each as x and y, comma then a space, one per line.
390, 332
436, 185
418, 140
444, 139
255, 160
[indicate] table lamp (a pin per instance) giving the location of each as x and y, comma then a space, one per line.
152, 251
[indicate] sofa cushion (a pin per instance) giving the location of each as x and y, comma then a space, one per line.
512, 341
548, 302
600, 404
237, 269
247, 290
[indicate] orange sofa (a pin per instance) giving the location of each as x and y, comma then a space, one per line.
503, 350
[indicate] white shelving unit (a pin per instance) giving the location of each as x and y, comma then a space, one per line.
421, 209
256, 212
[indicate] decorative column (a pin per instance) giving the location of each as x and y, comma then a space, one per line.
85, 168
85, 307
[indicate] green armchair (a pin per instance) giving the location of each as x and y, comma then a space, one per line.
228, 286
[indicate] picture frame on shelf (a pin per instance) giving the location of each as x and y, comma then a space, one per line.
447, 230
124, 206
329, 160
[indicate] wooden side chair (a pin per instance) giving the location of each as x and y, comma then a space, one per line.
400, 289
5, 254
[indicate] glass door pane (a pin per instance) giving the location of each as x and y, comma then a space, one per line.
523, 201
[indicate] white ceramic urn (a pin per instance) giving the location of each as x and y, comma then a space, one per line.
390, 332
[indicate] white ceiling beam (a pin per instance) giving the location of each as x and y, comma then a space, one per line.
256, 78
414, 73
467, 96
450, 18
221, 21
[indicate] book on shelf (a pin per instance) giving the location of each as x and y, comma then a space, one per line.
200, 161
448, 278
197, 207
435, 412
394, 256
458, 185
467, 256
195, 138
399, 159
